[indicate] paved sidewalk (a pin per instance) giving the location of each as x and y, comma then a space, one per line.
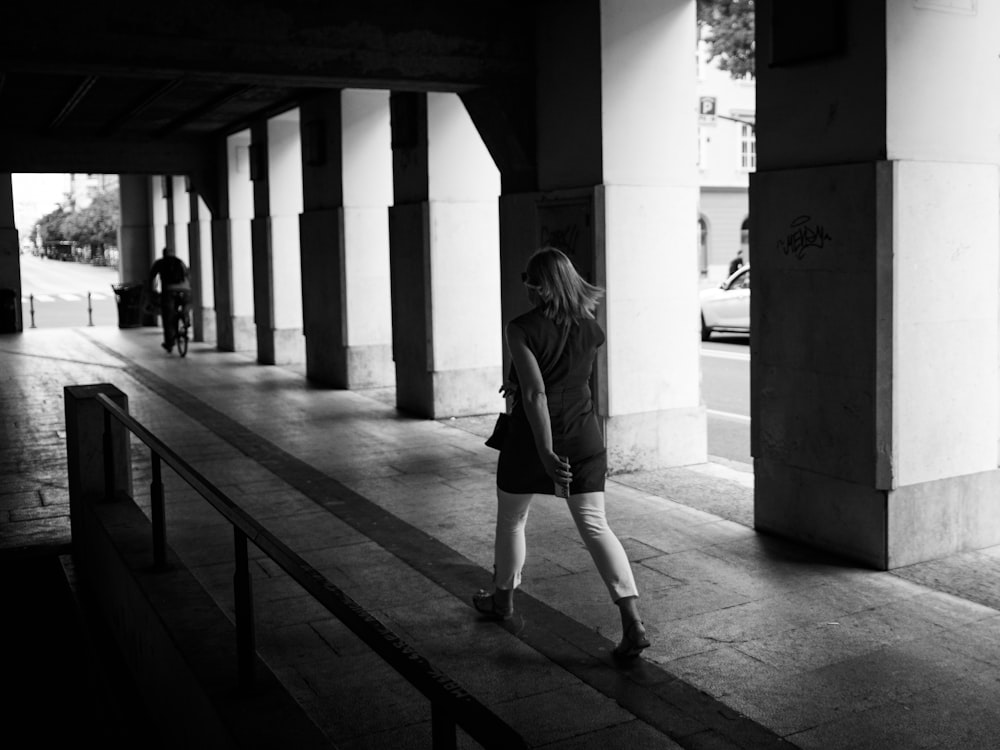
756, 642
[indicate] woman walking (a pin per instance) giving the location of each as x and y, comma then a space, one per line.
554, 445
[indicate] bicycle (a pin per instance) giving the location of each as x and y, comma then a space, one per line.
182, 320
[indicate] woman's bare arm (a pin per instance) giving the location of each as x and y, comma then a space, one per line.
532, 389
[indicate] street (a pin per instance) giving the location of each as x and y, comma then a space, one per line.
725, 382
54, 294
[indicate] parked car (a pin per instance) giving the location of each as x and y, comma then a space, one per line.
727, 307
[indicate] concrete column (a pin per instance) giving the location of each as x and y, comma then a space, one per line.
135, 234
199, 232
347, 183
10, 261
443, 230
231, 249
647, 209
277, 267
160, 210
875, 232
179, 217
619, 194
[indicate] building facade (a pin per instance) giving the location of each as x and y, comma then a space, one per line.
727, 154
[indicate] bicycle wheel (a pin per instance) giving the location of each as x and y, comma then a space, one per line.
181, 334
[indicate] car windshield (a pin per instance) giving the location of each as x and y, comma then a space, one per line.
740, 280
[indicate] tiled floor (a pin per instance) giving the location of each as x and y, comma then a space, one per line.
757, 643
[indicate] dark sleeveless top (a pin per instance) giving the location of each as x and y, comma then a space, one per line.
575, 430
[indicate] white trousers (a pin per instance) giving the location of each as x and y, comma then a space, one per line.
587, 510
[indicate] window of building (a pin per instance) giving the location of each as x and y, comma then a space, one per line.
748, 148
702, 246
704, 147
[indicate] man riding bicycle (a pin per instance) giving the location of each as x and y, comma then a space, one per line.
175, 288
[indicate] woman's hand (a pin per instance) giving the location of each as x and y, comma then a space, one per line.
557, 468
508, 388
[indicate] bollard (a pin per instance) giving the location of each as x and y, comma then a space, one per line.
31, 307
90, 311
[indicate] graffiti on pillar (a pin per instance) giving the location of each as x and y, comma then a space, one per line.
565, 238
566, 224
803, 235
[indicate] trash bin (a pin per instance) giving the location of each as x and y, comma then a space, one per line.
129, 298
8, 311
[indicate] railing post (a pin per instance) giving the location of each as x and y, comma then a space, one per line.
246, 648
87, 464
108, 442
158, 515
443, 730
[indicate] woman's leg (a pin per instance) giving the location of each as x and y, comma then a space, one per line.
510, 549
612, 563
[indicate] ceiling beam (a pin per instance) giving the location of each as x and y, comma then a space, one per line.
151, 96
27, 153
73, 102
233, 92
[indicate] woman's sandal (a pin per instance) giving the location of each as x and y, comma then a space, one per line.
486, 604
634, 640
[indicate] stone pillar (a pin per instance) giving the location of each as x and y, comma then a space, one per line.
277, 277
135, 234
10, 261
347, 184
231, 249
874, 312
619, 193
160, 210
443, 229
179, 217
199, 233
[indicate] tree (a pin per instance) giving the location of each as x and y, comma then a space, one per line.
94, 226
100, 220
50, 227
727, 27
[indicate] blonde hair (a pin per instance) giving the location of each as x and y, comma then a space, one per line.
565, 295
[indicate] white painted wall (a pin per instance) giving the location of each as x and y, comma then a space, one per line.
942, 75
648, 139
945, 268
206, 269
459, 166
158, 215
240, 214
942, 120
284, 184
648, 211
366, 147
464, 244
181, 218
366, 139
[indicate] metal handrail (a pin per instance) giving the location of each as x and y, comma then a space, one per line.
451, 704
